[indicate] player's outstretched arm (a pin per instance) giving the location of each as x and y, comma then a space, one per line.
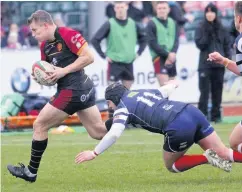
229, 64
108, 140
169, 87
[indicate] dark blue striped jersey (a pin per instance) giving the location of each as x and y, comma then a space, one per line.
238, 42
147, 108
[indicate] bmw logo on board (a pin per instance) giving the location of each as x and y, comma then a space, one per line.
20, 80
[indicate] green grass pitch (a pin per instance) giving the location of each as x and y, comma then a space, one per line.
134, 163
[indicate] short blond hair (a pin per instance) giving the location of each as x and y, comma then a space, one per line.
40, 16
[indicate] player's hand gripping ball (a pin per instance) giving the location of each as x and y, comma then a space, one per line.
39, 73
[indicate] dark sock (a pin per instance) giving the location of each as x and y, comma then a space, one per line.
109, 123
38, 148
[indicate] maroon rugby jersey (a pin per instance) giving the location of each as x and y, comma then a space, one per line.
63, 51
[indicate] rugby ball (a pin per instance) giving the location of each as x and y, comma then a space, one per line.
39, 69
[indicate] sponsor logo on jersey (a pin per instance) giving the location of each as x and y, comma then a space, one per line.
183, 145
75, 38
133, 93
78, 45
54, 61
59, 46
83, 98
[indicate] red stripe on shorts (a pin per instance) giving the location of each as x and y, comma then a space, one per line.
156, 63
63, 99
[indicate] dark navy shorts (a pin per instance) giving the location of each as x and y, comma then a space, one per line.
189, 127
120, 71
71, 101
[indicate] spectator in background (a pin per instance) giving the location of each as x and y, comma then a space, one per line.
29, 40
110, 9
233, 34
122, 35
177, 14
3, 38
211, 36
140, 11
5, 14
58, 20
15, 38
163, 39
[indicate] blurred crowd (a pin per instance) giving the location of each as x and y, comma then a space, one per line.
188, 15
15, 33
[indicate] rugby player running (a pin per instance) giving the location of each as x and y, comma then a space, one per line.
68, 51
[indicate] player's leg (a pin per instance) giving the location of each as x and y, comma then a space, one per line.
89, 114
162, 78
92, 121
128, 75
113, 72
217, 79
196, 128
49, 116
177, 141
208, 139
235, 139
160, 71
216, 152
204, 91
171, 69
113, 75
170, 158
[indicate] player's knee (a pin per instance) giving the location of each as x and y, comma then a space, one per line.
97, 130
97, 136
38, 126
169, 168
233, 145
102, 130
